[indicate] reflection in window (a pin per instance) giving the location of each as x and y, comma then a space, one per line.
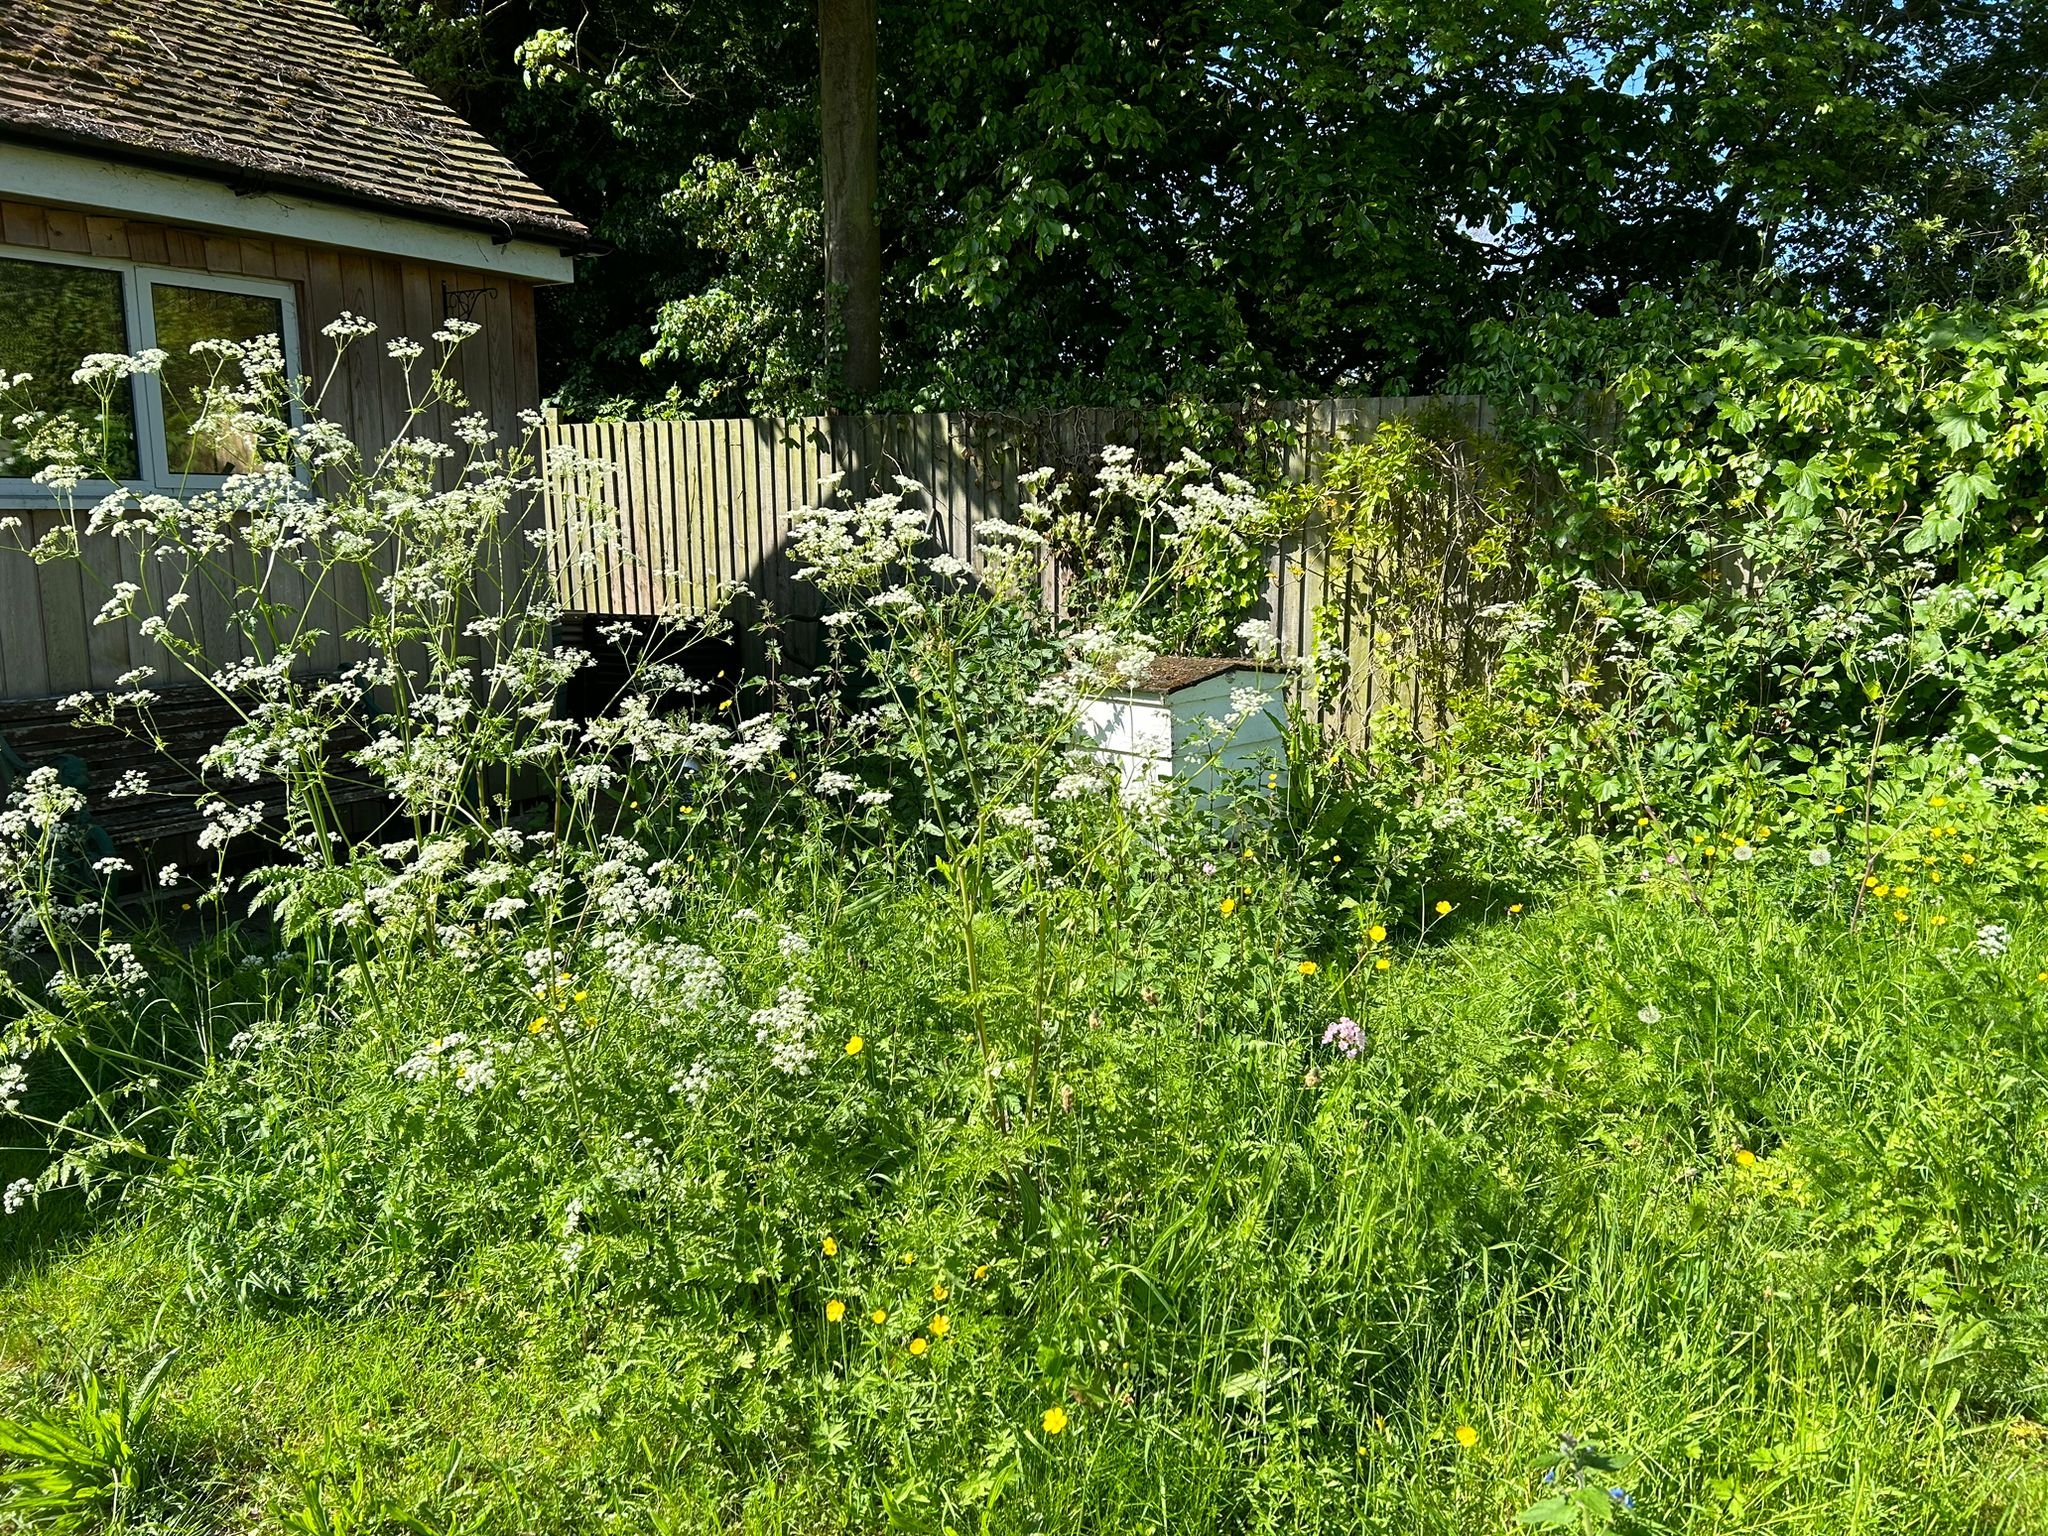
186, 315
51, 318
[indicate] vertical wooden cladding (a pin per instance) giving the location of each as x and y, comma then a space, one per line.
48, 643
696, 505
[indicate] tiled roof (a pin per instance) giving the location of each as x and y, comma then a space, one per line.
285, 94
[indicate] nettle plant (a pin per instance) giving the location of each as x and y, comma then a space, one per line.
488, 897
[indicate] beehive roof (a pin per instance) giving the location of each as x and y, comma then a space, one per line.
1170, 674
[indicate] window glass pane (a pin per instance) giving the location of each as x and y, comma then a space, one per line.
186, 315
51, 318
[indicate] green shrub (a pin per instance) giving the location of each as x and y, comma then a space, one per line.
838, 1108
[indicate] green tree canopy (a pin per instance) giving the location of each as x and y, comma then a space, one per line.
1118, 203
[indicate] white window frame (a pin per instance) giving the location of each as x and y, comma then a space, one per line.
152, 448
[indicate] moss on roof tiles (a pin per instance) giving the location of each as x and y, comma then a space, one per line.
282, 92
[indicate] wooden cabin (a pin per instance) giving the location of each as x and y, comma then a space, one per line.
172, 170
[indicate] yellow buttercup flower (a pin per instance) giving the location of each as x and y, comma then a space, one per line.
1229, 905
834, 1310
1467, 1436
941, 1326
831, 1246
939, 1292
1383, 964
1053, 1421
854, 1046
1307, 967
919, 1345
1744, 1158
1514, 907
879, 1316
1443, 909
1377, 934
981, 1271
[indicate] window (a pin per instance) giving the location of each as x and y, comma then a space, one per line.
50, 317
55, 311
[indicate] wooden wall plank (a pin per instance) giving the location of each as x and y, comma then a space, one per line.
258, 258
150, 576
185, 248
646, 514
107, 237
758, 439
627, 548
24, 668
571, 523
148, 242
102, 567
66, 652
734, 466
67, 231
679, 553
664, 552
24, 224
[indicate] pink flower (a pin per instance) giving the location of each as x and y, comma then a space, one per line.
1346, 1035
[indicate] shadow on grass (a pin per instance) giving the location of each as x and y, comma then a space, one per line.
42, 1230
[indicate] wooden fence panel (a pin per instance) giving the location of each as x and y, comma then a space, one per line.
701, 504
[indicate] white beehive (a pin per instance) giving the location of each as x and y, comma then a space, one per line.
1197, 720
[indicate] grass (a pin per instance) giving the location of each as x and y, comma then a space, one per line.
1747, 1197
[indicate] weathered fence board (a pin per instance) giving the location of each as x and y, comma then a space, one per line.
676, 512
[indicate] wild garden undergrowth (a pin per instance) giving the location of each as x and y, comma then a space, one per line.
842, 1100
1748, 1201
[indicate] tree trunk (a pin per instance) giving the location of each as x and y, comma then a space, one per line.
853, 242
